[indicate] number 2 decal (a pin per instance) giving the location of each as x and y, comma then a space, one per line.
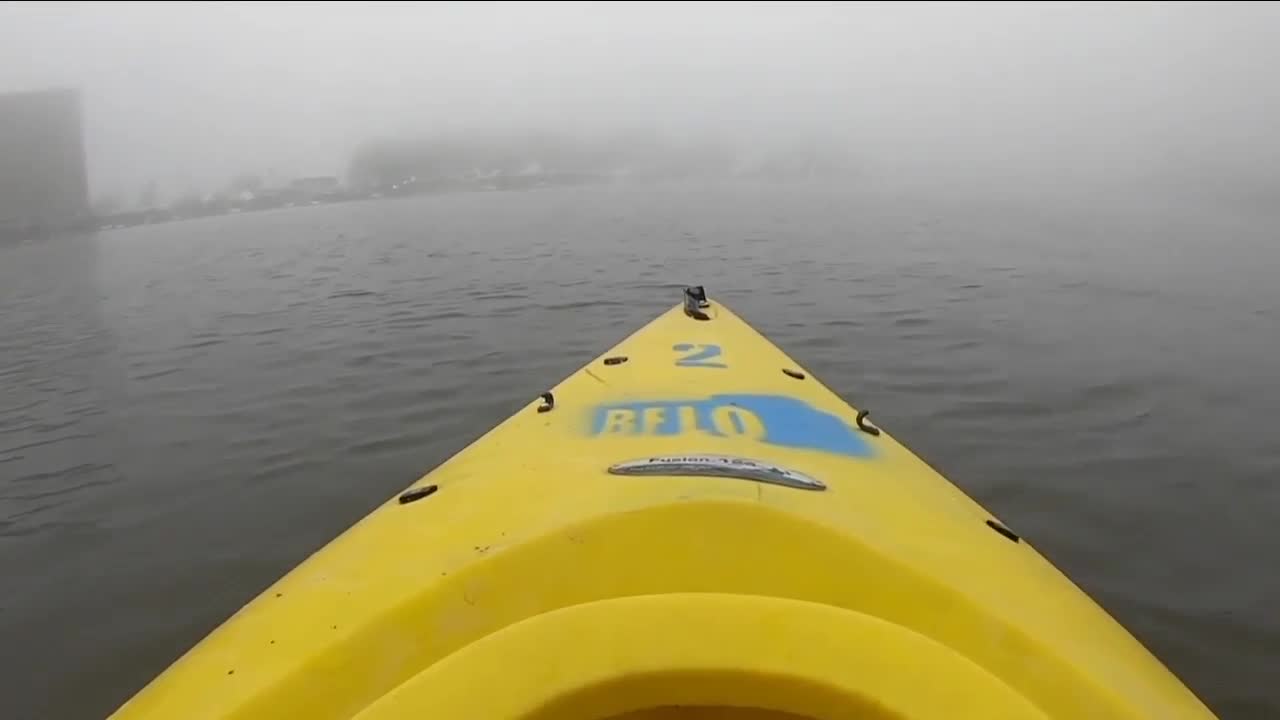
700, 355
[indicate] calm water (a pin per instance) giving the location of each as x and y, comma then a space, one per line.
188, 410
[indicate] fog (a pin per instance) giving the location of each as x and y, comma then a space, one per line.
189, 95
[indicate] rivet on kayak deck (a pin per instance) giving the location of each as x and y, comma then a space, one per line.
548, 401
793, 373
615, 360
417, 494
1003, 530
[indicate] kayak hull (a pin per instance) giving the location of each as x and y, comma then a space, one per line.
692, 520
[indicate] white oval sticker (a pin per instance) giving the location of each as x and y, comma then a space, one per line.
718, 466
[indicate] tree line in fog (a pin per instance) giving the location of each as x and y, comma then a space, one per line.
476, 158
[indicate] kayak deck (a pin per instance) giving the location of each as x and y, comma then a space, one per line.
691, 525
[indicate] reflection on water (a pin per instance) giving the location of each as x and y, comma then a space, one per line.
188, 410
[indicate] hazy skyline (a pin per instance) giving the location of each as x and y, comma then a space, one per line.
188, 95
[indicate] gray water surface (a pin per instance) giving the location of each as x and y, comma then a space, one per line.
188, 410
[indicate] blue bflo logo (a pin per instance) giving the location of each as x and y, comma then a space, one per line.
771, 419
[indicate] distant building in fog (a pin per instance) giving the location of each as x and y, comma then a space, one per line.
314, 185
43, 184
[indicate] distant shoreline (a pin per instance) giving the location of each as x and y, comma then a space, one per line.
159, 216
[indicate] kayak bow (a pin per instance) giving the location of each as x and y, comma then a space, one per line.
691, 526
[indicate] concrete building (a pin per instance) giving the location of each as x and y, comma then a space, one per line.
43, 183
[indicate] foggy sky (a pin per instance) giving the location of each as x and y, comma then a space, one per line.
188, 95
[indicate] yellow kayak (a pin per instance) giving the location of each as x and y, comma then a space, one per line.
691, 526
